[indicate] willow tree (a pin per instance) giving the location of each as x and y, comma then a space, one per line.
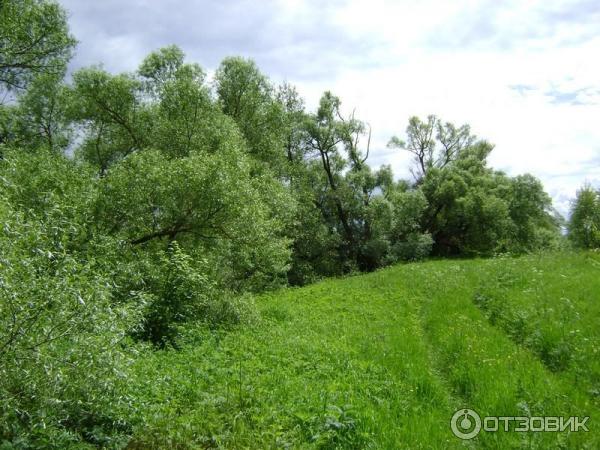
34, 38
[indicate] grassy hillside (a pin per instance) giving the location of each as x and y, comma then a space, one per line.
384, 360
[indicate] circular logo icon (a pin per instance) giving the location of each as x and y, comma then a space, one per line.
465, 424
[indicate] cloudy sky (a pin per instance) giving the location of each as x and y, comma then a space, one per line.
524, 74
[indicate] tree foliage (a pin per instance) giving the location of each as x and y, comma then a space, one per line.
34, 39
473, 209
584, 223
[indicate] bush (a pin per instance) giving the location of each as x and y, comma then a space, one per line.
416, 247
181, 290
374, 253
61, 362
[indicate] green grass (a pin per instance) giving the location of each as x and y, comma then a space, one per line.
383, 360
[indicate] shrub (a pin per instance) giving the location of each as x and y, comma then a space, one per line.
416, 246
61, 362
181, 289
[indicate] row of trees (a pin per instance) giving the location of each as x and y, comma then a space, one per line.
132, 203
182, 159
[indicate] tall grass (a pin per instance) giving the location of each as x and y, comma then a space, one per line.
383, 360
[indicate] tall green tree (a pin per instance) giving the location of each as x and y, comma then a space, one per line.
185, 117
346, 190
433, 143
584, 222
41, 117
110, 110
472, 209
247, 96
34, 38
325, 133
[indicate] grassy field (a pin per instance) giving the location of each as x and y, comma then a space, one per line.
383, 361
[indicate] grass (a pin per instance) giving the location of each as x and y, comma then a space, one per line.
382, 361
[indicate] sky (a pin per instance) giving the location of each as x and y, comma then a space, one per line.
525, 75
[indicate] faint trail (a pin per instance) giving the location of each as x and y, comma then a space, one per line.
481, 366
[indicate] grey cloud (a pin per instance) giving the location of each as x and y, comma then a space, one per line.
304, 47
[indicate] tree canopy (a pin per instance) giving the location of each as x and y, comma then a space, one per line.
34, 39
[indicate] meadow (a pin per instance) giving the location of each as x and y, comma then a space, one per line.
383, 360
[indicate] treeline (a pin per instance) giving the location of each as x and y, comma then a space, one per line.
133, 203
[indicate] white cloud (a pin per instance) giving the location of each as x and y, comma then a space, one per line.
549, 129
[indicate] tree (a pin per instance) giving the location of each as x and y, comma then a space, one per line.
325, 132
248, 97
407, 239
584, 223
207, 202
536, 222
162, 66
34, 39
346, 187
8, 126
433, 143
110, 110
293, 119
472, 209
185, 117
41, 117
